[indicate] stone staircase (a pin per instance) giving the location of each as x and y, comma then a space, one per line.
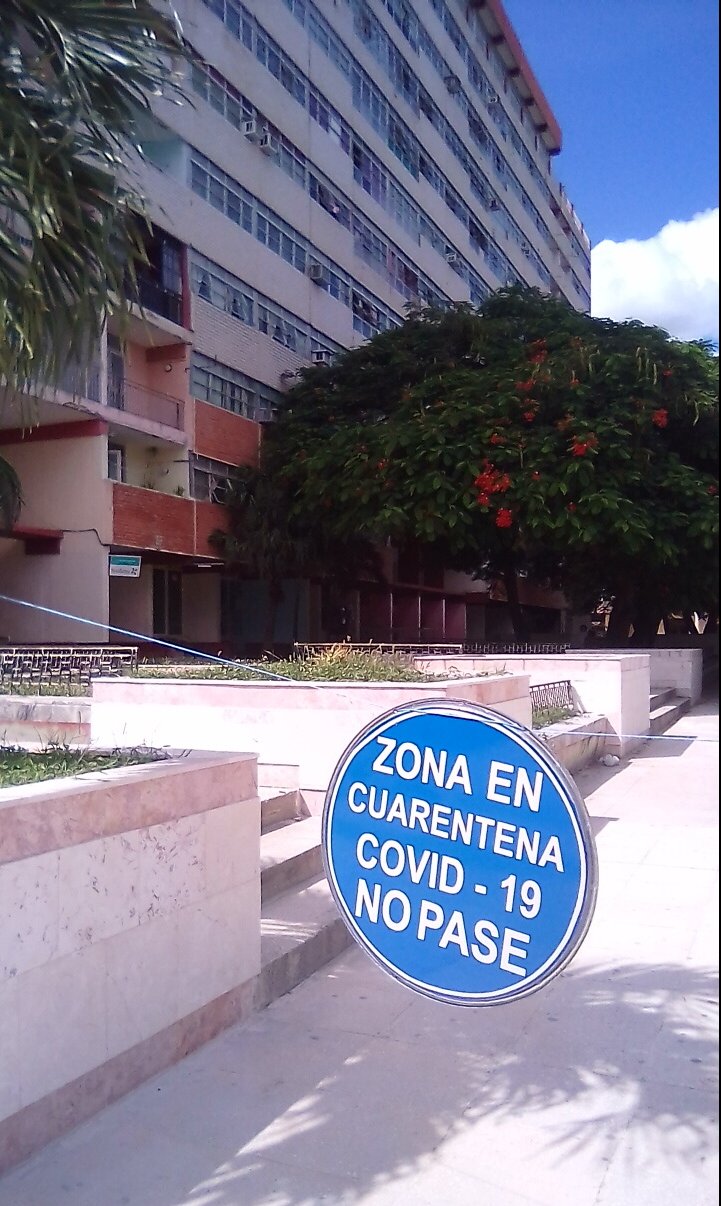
300, 928
665, 708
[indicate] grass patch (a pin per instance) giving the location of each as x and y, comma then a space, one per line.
339, 664
80, 690
542, 717
19, 766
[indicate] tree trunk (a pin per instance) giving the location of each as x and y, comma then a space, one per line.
645, 627
619, 623
275, 598
518, 619
647, 615
296, 609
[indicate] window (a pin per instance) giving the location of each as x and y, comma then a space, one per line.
209, 479
167, 603
116, 462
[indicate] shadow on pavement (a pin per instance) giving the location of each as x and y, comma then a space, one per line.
304, 1105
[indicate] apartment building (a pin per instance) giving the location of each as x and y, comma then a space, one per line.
335, 160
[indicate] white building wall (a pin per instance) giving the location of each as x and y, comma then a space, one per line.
197, 223
66, 488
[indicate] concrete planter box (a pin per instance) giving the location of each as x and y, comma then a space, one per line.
678, 669
129, 932
577, 742
616, 685
303, 725
44, 720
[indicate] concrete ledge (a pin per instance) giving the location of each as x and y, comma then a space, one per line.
37, 1124
44, 719
59, 813
129, 931
304, 725
616, 685
570, 743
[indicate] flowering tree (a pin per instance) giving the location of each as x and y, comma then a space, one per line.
522, 437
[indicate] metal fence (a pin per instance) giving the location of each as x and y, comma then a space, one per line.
63, 665
490, 648
546, 697
303, 650
522, 647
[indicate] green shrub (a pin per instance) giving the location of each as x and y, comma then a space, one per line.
340, 663
19, 766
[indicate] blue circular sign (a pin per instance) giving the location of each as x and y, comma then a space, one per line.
459, 852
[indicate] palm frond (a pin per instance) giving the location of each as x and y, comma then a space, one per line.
75, 75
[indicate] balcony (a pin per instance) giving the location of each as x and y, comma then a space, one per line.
149, 519
154, 297
147, 404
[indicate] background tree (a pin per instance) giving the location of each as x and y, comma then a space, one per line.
264, 541
75, 75
522, 438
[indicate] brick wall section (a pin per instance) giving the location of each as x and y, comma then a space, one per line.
209, 517
225, 436
147, 519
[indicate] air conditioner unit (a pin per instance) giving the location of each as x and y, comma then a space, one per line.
494, 205
321, 356
525, 249
269, 144
452, 258
493, 99
115, 464
453, 84
253, 130
316, 272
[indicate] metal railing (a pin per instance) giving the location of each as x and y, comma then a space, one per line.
81, 382
64, 665
146, 403
552, 697
522, 647
305, 650
154, 297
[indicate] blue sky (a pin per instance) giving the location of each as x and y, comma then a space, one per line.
634, 85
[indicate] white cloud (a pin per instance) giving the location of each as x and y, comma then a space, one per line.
670, 280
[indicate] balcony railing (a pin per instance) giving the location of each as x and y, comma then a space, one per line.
154, 297
146, 403
81, 382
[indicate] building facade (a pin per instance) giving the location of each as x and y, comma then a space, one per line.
335, 161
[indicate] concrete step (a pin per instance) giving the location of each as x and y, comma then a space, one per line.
278, 806
301, 931
660, 696
288, 856
662, 717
